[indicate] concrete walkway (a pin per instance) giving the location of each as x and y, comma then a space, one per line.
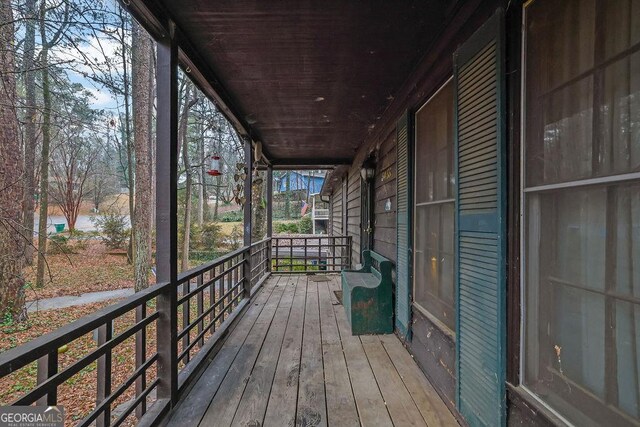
73, 300
88, 298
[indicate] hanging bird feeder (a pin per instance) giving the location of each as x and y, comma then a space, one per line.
215, 169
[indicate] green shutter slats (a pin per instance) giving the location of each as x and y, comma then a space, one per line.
480, 268
403, 290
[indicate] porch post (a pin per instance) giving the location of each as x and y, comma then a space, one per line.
269, 212
248, 228
167, 215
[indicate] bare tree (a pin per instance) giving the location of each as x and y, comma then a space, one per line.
31, 114
12, 242
189, 100
72, 165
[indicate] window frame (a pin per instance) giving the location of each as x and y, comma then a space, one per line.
415, 304
582, 397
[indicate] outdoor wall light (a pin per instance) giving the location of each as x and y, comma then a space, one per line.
367, 172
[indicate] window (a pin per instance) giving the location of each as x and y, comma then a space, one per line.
581, 233
434, 208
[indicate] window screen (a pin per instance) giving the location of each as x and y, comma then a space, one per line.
434, 207
582, 208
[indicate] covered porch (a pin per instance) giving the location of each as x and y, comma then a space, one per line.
291, 360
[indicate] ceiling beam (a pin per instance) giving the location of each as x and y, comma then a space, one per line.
318, 163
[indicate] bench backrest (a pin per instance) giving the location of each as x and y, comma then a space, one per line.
377, 264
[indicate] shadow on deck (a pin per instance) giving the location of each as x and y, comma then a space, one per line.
291, 360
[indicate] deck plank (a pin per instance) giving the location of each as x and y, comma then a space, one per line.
341, 406
253, 403
291, 360
401, 406
433, 409
281, 408
225, 402
371, 407
191, 410
312, 410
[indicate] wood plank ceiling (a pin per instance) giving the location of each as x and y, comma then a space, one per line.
310, 78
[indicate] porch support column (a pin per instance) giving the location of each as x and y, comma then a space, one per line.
167, 215
248, 228
269, 212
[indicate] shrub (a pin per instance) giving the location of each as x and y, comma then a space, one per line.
236, 237
113, 229
286, 227
233, 216
207, 237
304, 225
59, 245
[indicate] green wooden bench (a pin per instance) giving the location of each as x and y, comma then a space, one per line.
367, 296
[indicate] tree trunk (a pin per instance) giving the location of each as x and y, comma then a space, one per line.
259, 209
152, 141
140, 69
12, 242
31, 142
215, 207
46, 144
128, 143
202, 174
182, 133
287, 196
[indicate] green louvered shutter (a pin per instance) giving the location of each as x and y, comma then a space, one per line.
480, 234
403, 263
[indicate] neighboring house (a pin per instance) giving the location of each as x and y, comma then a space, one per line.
311, 182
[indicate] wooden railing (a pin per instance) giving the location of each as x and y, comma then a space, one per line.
302, 254
260, 262
201, 305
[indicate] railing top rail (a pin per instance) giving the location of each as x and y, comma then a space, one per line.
18, 357
265, 240
196, 271
310, 236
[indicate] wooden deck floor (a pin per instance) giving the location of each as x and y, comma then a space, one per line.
291, 360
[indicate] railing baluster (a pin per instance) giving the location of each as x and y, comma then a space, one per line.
103, 389
141, 357
246, 271
228, 279
212, 297
291, 254
200, 309
186, 311
236, 277
47, 367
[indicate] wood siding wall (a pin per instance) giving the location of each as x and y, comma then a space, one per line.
335, 227
384, 230
353, 212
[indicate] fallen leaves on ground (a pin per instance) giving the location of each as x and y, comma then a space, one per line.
78, 394
92, 269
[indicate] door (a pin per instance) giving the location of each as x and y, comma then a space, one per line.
366, 213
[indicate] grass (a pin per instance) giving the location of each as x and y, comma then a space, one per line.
288, 264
